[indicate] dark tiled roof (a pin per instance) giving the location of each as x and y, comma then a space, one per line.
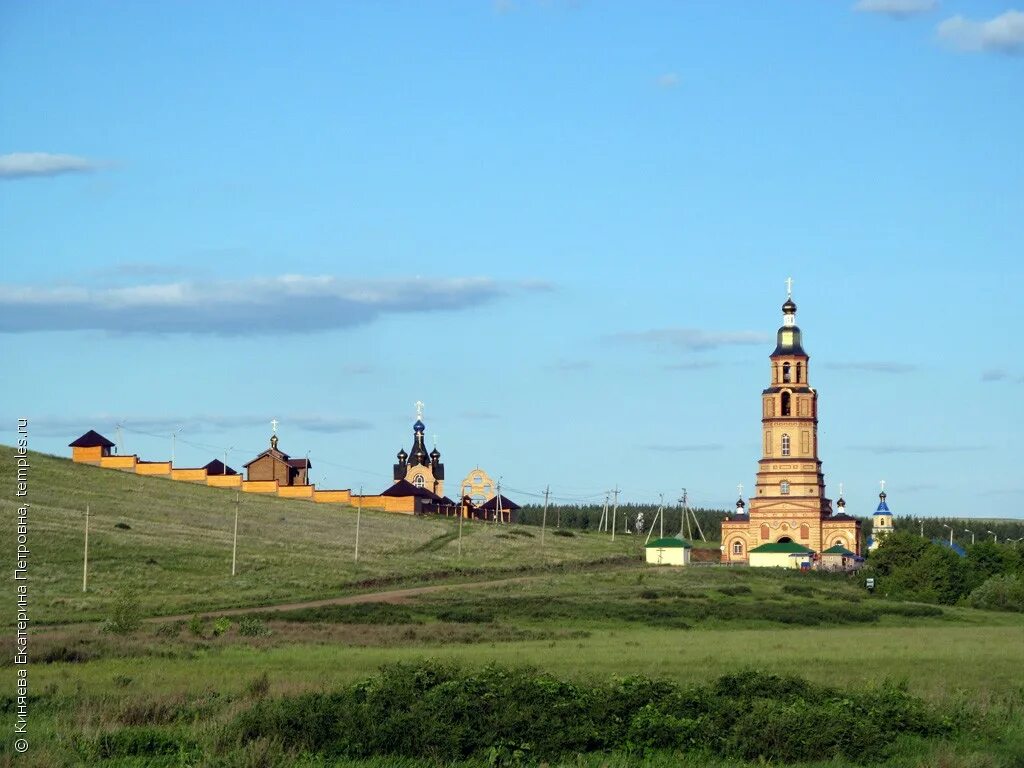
405, 488
273, 453
839, 549
506, 504
840, 517
91, 439
300, 463
218, 467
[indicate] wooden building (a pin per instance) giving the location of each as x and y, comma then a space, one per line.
275, 464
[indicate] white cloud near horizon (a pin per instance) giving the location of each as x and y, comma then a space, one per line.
1001, 34
897, 9
873, 366
248, 307
19, 165
668, 80
203, 424
691, 338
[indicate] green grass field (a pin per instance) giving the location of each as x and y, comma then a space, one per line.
168, 693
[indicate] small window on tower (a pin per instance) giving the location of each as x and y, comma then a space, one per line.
799, 372
737, 547
785, 445
784, 487
786, 376
418, 482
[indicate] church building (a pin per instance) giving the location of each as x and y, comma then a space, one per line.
788, 505
422, 469
881, 523
275, 464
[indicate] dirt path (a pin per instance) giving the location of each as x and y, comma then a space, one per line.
389, 596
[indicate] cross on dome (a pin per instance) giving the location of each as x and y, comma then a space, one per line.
419, 409
789, 287
273, 425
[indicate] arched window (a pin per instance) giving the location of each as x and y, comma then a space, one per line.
764, 532
805, 531
785, 403
786, 378
839, 543
418, 482
799, 372
737, 547
785, 444
784, 487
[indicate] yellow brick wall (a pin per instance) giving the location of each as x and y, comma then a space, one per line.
189, 475
333, 497
259, 486
153, 468
87, 455
126, 463
224, 481
296, 491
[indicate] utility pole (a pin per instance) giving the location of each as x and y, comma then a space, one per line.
615, 509
359, 514
686, 517
602, 524
497, 506
462, 514
234, 536
120, 445
85, 559
661, 516
226, 452
544, 518
174, 434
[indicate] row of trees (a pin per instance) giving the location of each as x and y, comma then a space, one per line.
910, 567
586, 517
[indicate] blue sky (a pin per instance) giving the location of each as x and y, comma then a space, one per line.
564, 226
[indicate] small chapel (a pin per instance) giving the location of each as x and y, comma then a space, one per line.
275, 464
790, 520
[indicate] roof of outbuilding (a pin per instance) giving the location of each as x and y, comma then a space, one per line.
669, 542
790, 547
218, 467
506, 503
273, 453
405, 488
839, 549
91, 439
300, 463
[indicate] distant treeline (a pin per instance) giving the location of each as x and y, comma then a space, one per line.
586, 517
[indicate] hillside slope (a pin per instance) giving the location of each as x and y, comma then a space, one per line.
176, 549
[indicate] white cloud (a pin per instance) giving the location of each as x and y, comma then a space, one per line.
668, 80
897, 9
1002, 34
874, 366
692, 338
18, 165
248, 307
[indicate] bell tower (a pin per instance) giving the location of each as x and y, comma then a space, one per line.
790, 483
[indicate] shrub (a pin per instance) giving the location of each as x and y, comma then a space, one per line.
649, 594
999, 593
126, 615
253, 626
221, 625
259, 686
411, 710
139, 741
563, 532
465, 616
735, 589
521, 532
197, 625
123, 526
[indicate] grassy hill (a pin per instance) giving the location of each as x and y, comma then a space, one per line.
171, 543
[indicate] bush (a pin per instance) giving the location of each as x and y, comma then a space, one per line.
802, 590
253, 626
411, 710
521, 532
197, 625
221, 625
123, 526
259, 686
999, 593
735, 589
126, 615
169, 629
139, 741
563, 532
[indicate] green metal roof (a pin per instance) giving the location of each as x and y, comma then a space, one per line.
839, 549
788, 547
670, 541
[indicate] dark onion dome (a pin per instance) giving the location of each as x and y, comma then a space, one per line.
435, 454
419, 426
841, 503
789, 342
739, 503
402, 455
789, 308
